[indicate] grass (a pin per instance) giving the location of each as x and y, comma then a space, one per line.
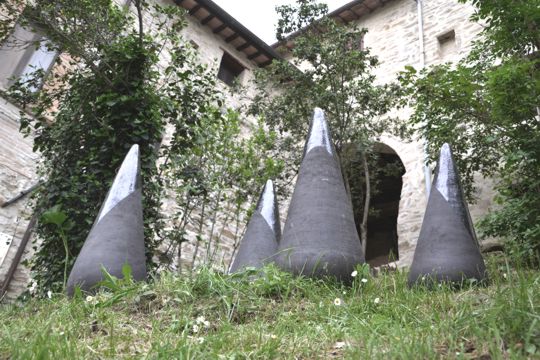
216, 316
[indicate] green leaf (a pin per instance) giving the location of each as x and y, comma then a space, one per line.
54, 216
127, 271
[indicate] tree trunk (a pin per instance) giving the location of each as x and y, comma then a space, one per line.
344, 174
363, 226
199, 234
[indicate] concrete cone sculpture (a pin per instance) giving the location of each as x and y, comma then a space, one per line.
117, 236
319, 237
260, 242
447, 248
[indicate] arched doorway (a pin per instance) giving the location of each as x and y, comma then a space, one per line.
382, 243
386, 171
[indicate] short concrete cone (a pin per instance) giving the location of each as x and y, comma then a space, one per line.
262, 235
447, 249
319, 237
117, 237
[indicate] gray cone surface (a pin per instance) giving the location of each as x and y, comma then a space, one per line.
319, 237
447, 249
117, 236
263, 233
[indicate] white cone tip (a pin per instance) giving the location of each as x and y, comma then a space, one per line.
445, 164
267, 203
319, 134
124, 183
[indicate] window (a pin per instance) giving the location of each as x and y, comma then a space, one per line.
360, 45
23, 53
229, 69
447, 44
356, 43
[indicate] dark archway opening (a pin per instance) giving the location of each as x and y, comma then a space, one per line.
386, 170
382, 243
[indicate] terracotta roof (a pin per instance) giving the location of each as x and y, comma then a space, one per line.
233, 32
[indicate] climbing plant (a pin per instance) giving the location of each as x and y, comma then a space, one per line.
125, 75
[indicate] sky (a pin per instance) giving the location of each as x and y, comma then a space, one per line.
260, 16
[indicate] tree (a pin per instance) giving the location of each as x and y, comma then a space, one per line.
118, 81
212, 183
330, 69
486, 106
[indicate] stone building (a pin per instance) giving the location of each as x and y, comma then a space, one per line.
409, 33
400, 32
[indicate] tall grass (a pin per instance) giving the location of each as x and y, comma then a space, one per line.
274, 315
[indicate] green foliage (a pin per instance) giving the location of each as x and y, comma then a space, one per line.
120, 288
276, 315
85, 119
58, 218
54, 216
293, 19
511, 28
121, 81
486, 106
212, 180
329, 69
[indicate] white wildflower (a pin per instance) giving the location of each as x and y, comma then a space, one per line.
338, 302
504, 275
364, 280
195, 328
354, 273
49, 294
202, 321
377, 300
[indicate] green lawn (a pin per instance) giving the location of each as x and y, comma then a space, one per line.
215, 316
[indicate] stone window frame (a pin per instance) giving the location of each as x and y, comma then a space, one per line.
32, 46
230, 69
444, 38
359, 44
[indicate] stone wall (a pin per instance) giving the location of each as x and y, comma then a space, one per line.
17, 173
211, 48
394, 37
220, 237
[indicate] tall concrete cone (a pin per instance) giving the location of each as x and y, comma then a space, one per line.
117, 236
260, 242
447, 248
319, 237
